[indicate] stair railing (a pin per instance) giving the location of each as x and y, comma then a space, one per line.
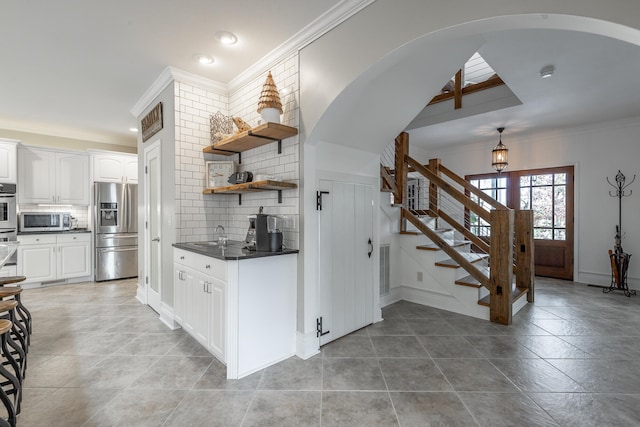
509, 229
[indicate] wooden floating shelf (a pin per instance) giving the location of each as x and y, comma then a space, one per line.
251, 187
258, 136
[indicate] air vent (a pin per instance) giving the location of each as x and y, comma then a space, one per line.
385, 276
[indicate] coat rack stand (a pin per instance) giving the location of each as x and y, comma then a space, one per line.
619, 259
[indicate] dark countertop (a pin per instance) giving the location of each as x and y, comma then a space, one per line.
235, 250
75, 230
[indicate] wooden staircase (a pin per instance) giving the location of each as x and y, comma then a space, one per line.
485, 278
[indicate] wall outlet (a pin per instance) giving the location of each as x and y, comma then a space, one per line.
419, 276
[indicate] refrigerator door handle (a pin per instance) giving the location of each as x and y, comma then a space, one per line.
127, 205
118, 250
123, 236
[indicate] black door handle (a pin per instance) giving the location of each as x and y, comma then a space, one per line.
370, 248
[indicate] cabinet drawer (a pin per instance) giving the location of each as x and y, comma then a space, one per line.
183, 257
37, 239
74, 238
210, 266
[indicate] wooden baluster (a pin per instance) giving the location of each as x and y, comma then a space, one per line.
402, 151
434, 166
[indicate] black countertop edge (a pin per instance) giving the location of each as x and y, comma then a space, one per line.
77, 230
234, 251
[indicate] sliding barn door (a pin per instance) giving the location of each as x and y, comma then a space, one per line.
346, 258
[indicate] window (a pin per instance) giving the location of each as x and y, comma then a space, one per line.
546, 195
496, 188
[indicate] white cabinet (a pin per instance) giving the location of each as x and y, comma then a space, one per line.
8, 160
218, 317
47, 257
243, 311
200, 299
74, 255
46, 176
115, 168
37, 257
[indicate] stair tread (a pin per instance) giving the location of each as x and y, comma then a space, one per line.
470, 256
515, 295
434, 247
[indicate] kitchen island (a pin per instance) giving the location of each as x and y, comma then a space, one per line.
240, 304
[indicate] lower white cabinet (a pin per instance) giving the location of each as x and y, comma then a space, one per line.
48, 257
243, 311
200, 299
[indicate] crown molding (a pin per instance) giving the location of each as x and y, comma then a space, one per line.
196, 80
163, 80
320, 26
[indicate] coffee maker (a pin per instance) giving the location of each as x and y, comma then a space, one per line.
268, 232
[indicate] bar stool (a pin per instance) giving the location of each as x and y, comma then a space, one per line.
11, 385
23, 313
21, 323
17, 357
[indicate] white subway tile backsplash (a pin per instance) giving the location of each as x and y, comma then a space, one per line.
198, 213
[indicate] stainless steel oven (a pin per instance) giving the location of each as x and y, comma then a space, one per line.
8, 217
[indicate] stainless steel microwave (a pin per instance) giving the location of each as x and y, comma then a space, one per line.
45, 221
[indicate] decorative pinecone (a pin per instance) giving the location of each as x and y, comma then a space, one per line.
269, 97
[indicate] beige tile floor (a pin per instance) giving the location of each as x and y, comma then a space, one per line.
99, 358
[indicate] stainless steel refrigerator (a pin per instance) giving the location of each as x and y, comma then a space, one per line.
116, 231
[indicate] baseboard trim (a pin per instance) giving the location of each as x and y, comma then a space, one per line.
166, 316
141, 295
604, 279
307, 345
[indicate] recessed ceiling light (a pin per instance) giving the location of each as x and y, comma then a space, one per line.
225, 37
203, 59
133, 129
547, 71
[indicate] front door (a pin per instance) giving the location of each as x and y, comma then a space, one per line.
346, 259
153, 248
549, 193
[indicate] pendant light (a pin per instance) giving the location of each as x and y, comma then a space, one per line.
500, 154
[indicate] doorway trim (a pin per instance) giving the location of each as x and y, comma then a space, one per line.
156, 145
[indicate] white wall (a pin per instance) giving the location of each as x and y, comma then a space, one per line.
167, 136
597, 151
358, 87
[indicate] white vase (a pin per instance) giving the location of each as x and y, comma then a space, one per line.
270, 115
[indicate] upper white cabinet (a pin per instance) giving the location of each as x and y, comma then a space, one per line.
8, 162
115, 167
47, 176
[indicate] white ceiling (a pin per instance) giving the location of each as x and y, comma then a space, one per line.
77, 70
594, 81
